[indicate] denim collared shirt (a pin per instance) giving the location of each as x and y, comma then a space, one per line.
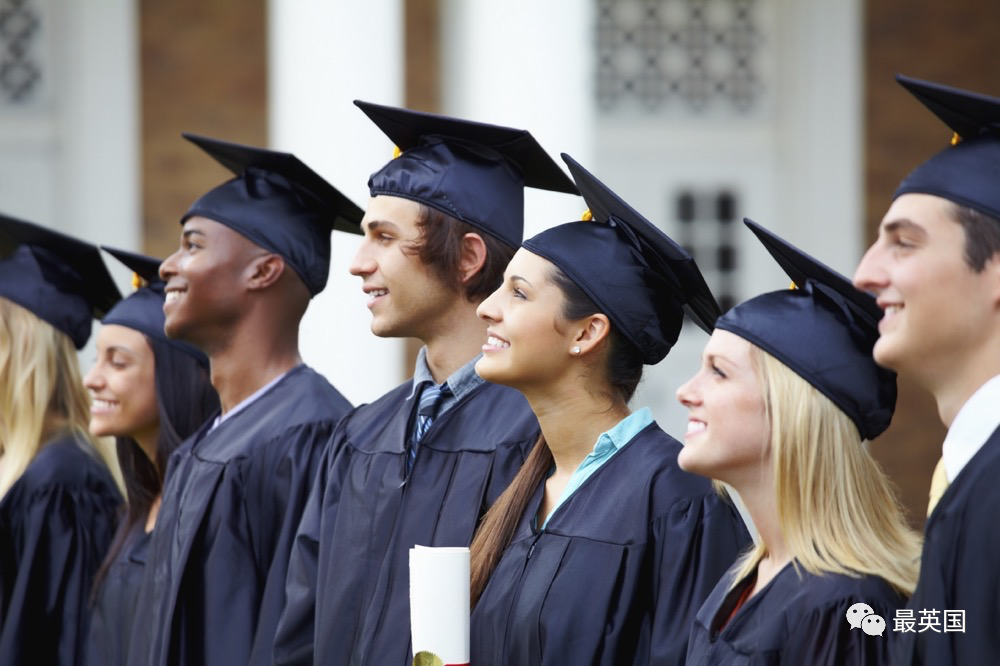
460, 382
608, 444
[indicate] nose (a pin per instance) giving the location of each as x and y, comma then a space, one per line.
488, 310
363, 263
686, 394
168, 268
93, 381
871, 275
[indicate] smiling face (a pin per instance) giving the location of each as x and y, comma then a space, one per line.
938, 310
405, 296
527, 344
205, 281
727, 424
123, 389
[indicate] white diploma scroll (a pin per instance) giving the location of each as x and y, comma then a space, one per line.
439, 602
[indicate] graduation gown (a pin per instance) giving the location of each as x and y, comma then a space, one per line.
113, 615
214, 582
56, 524
348, 589
794, 620
960, 569
619, 571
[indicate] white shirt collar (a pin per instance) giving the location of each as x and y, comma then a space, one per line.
978, 418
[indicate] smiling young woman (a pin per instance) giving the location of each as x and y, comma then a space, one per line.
783, 421
602, 548
150, 393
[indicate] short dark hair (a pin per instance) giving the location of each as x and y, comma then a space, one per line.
982, 235
440, 247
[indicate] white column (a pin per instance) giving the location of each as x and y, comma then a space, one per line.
525, 64
322, 56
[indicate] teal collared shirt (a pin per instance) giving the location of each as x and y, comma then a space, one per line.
608, 444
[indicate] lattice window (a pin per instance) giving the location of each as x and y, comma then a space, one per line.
707, 221
699, 53
20, 59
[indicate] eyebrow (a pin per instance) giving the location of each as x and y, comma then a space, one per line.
375, 225
713, 359
119, 348
518, 278
187, 233
903, 224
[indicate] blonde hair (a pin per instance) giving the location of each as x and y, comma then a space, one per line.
837, 510
41, 393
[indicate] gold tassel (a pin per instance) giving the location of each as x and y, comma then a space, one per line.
793, 285
137, 281
956, 139
587, 216
396, 152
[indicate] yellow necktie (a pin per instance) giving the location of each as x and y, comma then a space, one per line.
939, 483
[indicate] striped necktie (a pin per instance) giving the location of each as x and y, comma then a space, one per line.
431, 398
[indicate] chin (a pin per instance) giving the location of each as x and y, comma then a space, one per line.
886, 355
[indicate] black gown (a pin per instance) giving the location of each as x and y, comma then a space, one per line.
348, 588
113, 615
794, 621
619, 571
214, 582
960, 570
56, 524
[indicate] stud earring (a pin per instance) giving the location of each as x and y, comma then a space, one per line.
576, 350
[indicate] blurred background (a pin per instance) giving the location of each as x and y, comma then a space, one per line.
697, 112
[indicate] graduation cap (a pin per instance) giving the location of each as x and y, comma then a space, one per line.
472, 171
61, 279
142, 310
968, 171
824, 331
640, 278
279, 203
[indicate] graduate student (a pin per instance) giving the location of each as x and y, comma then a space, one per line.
58, 500
602, 549
253, 252
935, 269
422, 463
785, 399
150, 393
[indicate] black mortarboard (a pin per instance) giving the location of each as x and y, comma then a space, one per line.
636, 275
279, 203
471, 171
142, 310
824, 331
59, 278
967, 172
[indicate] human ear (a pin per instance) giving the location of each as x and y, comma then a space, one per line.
473, 256
590, 332
265, 270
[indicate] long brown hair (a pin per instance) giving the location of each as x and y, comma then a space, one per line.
622, 371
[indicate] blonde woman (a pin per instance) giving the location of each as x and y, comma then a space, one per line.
785, 397
58, 501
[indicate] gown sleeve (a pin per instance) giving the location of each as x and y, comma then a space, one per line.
695, 544
287, 485
294, 636
58, 537
824, 637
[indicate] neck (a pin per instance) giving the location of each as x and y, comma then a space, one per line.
249, 362
955, 389
147, 442
457, 338
571, 420
760, 499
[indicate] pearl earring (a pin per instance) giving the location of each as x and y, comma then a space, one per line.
576, 350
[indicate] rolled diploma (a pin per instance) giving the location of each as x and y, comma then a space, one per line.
439, 602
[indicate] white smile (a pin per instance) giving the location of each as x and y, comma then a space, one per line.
695, 427
892, 309
497, 343
172, 296
99, 405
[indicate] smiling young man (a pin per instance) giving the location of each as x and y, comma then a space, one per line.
253, 252
420, 464
935, 269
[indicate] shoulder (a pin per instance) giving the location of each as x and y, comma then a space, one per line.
832, 595
66, 462
311, 391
